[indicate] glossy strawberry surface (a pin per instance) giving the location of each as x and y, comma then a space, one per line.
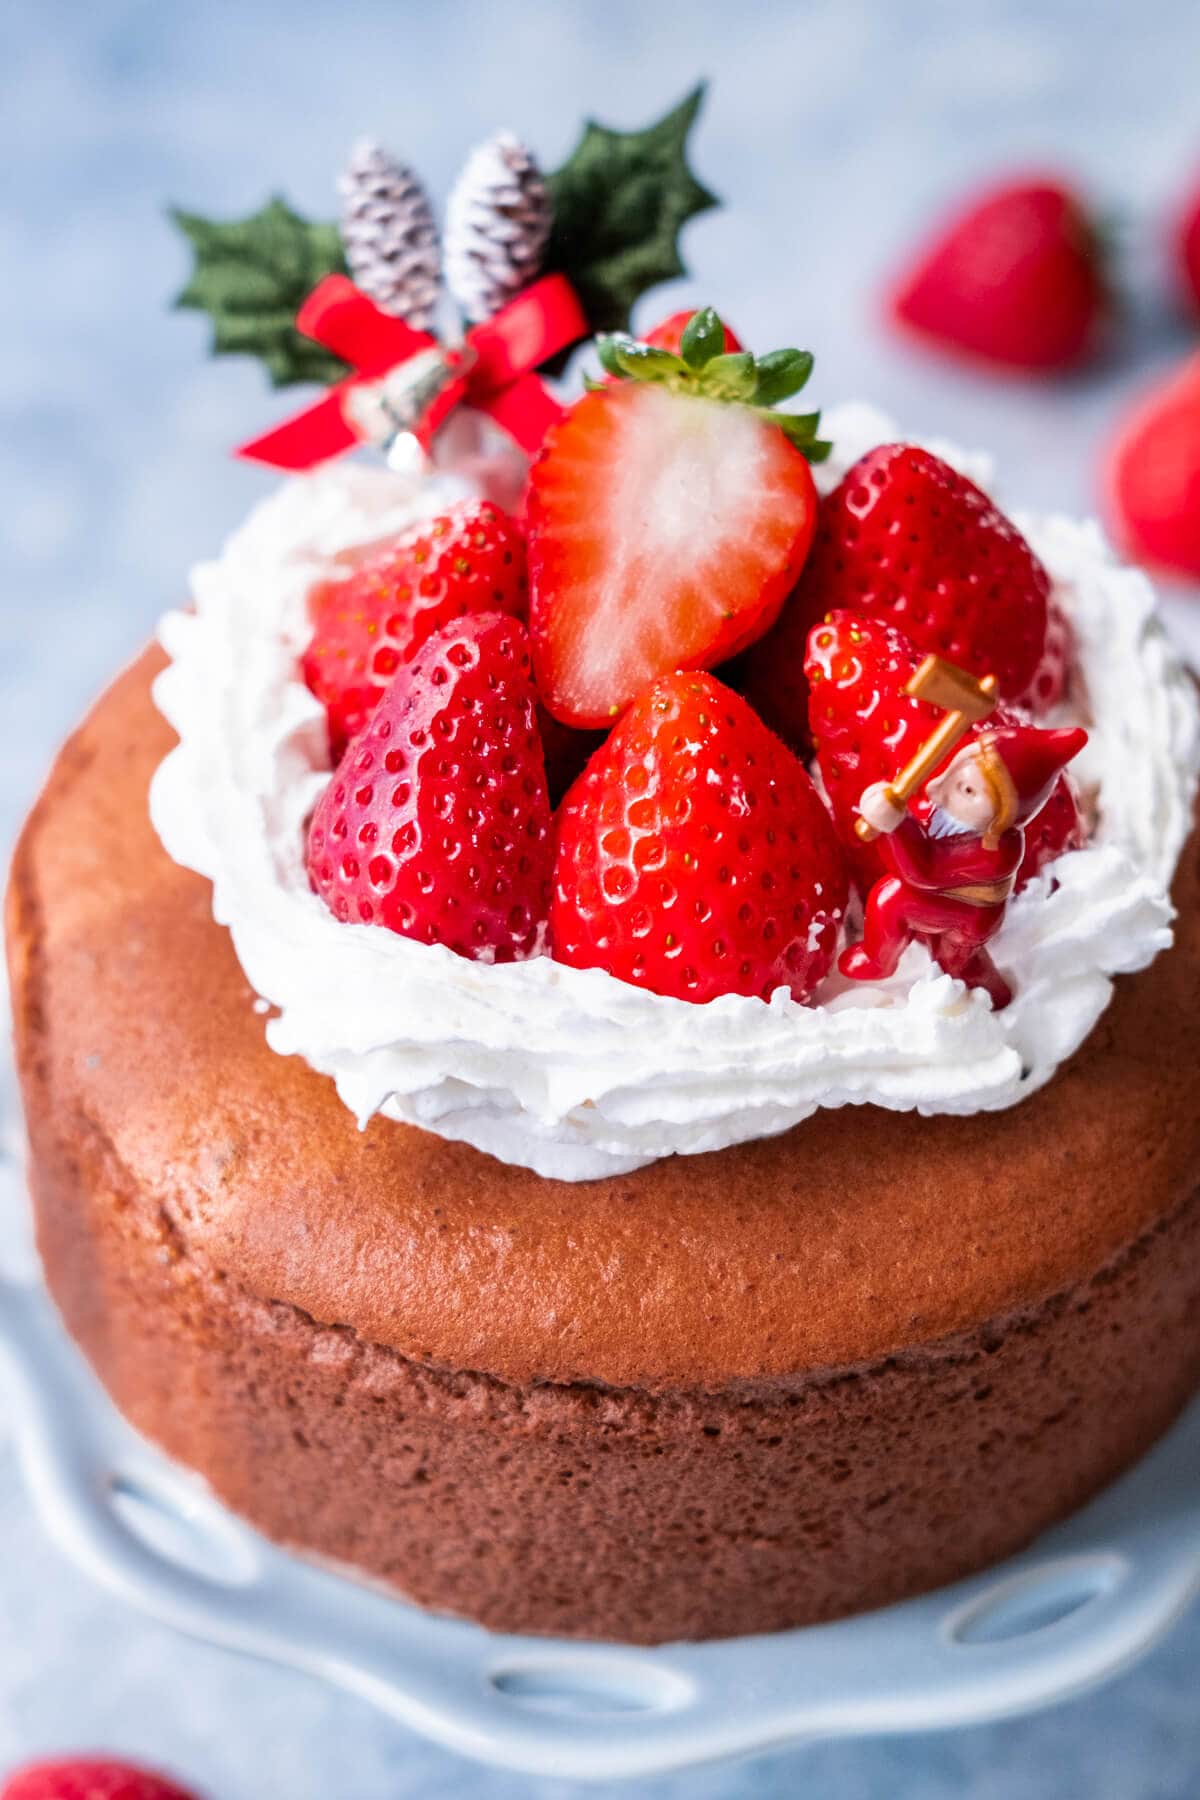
369, 622
906, 539
436, 823
694, 855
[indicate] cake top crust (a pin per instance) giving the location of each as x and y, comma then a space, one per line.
852, 1237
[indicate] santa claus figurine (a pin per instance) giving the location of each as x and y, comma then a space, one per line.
951, 878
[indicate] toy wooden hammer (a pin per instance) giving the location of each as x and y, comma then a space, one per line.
963, 699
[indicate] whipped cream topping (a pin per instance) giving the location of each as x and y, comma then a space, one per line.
573, 1073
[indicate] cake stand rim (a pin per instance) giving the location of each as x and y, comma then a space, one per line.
1084, 1602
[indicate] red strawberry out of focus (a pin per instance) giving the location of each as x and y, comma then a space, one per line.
470, 559
665, 532
865, 728
694, 856
89, 1778
1015, 278
437, 821
669, 334
1051, 679
907, 539
1187, 250
1152, 475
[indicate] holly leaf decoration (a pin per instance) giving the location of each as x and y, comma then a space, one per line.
251, 275
620, 201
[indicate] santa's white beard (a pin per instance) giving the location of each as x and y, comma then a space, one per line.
944, 825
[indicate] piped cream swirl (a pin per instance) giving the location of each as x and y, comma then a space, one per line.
570, 1072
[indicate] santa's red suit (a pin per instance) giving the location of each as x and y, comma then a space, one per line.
951, 891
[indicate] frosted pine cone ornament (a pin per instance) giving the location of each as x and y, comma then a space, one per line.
497, 226
389, 234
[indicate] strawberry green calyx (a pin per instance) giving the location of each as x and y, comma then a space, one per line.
707, 371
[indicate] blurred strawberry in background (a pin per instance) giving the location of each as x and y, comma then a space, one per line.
1187, 249
1152, 475
1016, 277
89, 1778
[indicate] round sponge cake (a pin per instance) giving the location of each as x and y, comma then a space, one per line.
727, 1393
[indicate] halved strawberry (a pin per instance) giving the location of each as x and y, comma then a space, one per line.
906, 538
866, 727
437, 822
469, 559
668, 518
694, 856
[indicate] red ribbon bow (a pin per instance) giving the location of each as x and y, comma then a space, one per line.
493, 372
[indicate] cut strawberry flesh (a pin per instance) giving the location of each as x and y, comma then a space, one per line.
665, 533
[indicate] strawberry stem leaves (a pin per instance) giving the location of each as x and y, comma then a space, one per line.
731, 376
703, 338
705, 369
781, 373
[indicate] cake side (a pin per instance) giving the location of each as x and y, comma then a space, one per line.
847, 1240
586, 1510
611, 1512
398, 1355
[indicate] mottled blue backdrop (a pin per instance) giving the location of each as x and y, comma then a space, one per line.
832, 128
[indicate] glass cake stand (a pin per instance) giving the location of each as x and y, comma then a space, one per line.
1087, 1600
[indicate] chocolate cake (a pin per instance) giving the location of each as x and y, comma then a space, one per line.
724, 1393
604, 1036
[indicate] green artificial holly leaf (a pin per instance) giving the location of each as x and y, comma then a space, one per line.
251, 276
619, 203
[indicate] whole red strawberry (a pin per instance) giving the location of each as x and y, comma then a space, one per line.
1052, 677
694, 856
1187, 250
437, 822
1153, 475
1016, 278
89, 1778
866, 727
470, 559
906, 538
668, 518
668, 335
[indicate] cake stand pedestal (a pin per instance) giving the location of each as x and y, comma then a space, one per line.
1080, 1606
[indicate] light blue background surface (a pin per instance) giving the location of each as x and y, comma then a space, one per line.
831, 130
